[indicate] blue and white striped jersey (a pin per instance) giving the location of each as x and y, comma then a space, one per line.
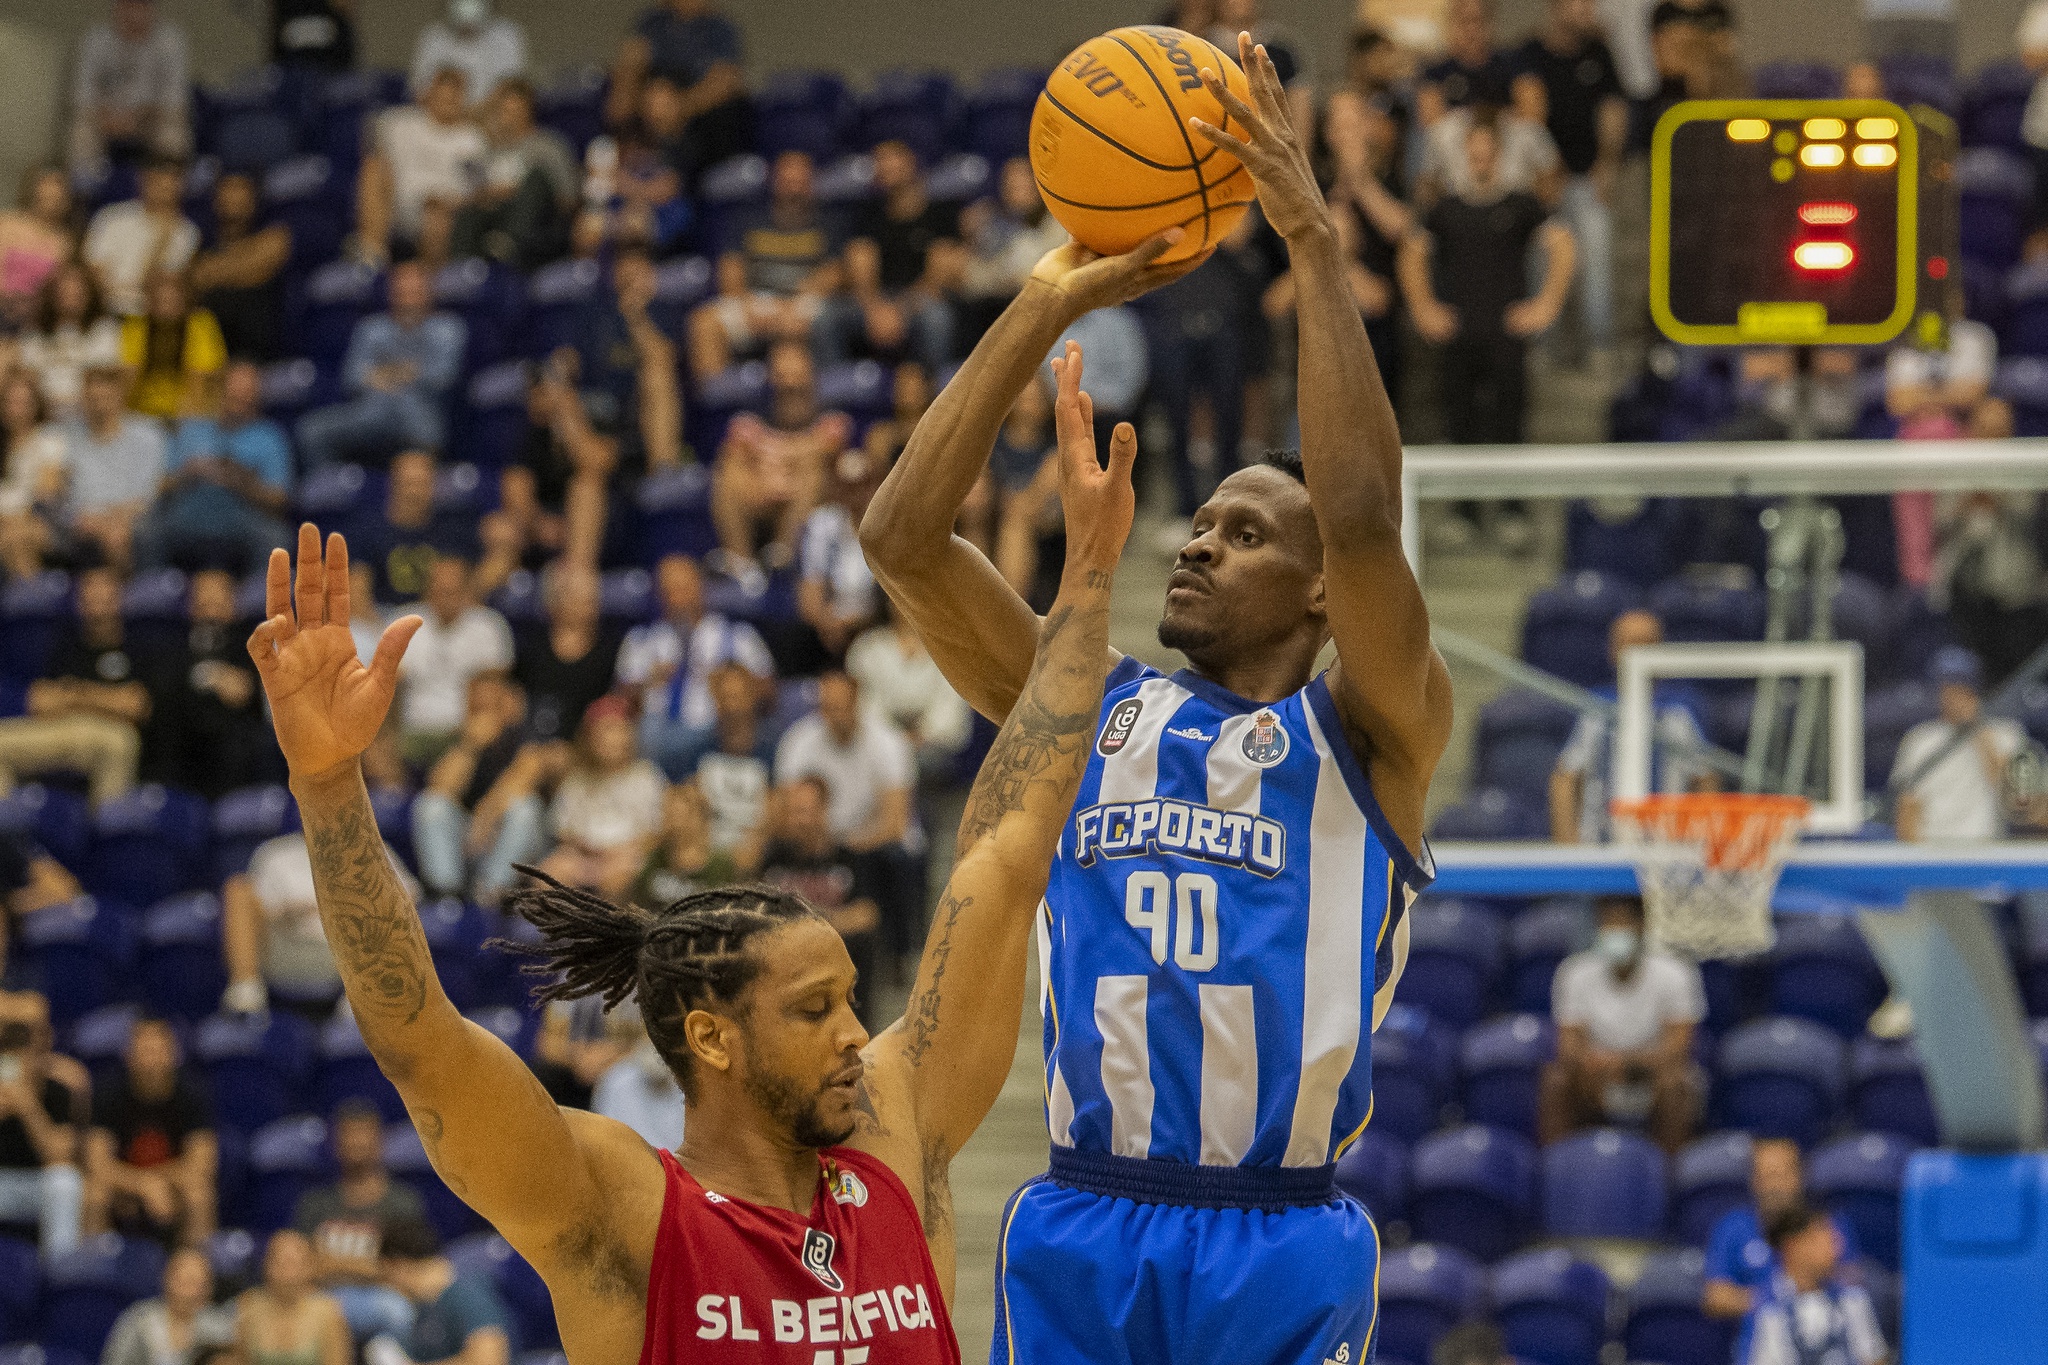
1226, 909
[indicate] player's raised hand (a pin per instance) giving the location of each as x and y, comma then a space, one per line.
1087, 280
1270, 149
1098, 503
326, 706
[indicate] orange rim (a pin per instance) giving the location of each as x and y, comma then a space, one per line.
1732, 829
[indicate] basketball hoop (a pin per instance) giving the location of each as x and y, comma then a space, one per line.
1707, 863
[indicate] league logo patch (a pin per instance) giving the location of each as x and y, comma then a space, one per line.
847, 1188
1116, 731
819, 1247
1265, 741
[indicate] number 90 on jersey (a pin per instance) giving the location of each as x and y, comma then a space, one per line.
1176, 914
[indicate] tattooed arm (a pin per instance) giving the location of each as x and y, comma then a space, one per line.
944, 1062
485, 1121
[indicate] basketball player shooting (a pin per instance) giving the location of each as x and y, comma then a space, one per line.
805, 1216
1226, 915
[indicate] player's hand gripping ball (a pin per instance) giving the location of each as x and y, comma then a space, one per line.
1113, 153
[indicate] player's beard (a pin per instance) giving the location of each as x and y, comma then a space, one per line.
1185, 636
798, 1108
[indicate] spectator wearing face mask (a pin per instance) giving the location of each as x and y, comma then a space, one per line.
484, 47
1625, 1015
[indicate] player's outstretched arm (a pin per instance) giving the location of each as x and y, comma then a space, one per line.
975, 625
947, 1057
1391, 687
485, 1121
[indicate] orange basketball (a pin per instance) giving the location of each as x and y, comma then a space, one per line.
1112, 150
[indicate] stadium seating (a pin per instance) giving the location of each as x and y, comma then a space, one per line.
82, 951
1551, 1306
242, 820
259, 1067
1823, 970
1565, 629
1374, 1171
148, 844
802, 111
86, 1289
21, 1287
405, 1156
1708, 1179
183, 972
1412, 1068
56, 819
1520, 735
455, 935
1424, 1291
1603, 1183
1858, 1178
1781, 1078
1888, 1092
489, 1255
1540, 938
1473, 1188
1455, 954
1502, 1064
345, 1070
1994, 105
286, 1159
1490, 814
1997, 188
1664, 1319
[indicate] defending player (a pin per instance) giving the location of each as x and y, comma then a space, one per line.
1225, 920
806, 1216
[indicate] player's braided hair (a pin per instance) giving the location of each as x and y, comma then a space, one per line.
692, 955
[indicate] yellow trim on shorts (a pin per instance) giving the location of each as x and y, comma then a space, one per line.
1003, 1278
1345, 1145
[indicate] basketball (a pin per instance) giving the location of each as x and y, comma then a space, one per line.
1112, 150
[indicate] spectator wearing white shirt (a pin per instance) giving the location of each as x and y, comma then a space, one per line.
899, 678
2032, 41
835, 592
271, 934
131, 89
1809, 1314
1528, 161
72, 334
421, 168
115, 460
128, 242
668, 664
461, 638
1950, 772
1625, 1015
485, 47
1587, 767
607, 810
870, 772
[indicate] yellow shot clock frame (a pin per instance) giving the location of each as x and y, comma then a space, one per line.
1763, 256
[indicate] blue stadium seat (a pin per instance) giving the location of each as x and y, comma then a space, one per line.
858, 388
244, 818
460, 490
234, 1255
455, 936
1551, 1307
1520, 735
728, 195
2026, 295
1638, 541
32, 612
1918, 632
290, 389
183, 973
490, 422
1412, 1066
338, 295
1888, 714
1909, 80
99, 1040
1489, 814
258, 1066
556, 299
1502, 1062
802, 111
491, 300
1858, 1178
309, 197
1603, 1183
87, 1288
1565, 629
393, 809
723, 396
84, 951
1455, 955
406, 1158
1473, 1188
153, 608
256, 140
1995, 105
961, 178
35, 1353
913, 107
1425, 1291
347, 101
514, 1027
1708, 1178
1664, 1319
996, 115
1821, 969
626, 596
1996, 189
233, 1190
286, 1158
148, 844
489, 1255
1791, 80
573, 105
674, 507
1781, 1078
58, 820
346, 1071
1540, 938
1888, 1091
1374, 1171
21, 1283
679, 286
500, 974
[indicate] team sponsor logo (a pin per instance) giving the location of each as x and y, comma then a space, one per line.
714, 1197
1116, 731
1191, 732
847, 1188
1265, 740
819, 1248
1129, 829
1343, 1356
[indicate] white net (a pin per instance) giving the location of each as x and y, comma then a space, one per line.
1707, 865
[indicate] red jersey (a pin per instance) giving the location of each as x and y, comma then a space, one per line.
735, 1283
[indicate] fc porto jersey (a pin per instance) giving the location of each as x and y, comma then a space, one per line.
1220, 917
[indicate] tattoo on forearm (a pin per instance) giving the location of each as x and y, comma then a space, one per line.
924, 1011
1050, 722
371, 923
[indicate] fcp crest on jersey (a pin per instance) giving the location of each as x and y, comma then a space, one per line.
1265, 740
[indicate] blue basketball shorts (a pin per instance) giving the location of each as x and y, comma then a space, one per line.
1089, 1276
